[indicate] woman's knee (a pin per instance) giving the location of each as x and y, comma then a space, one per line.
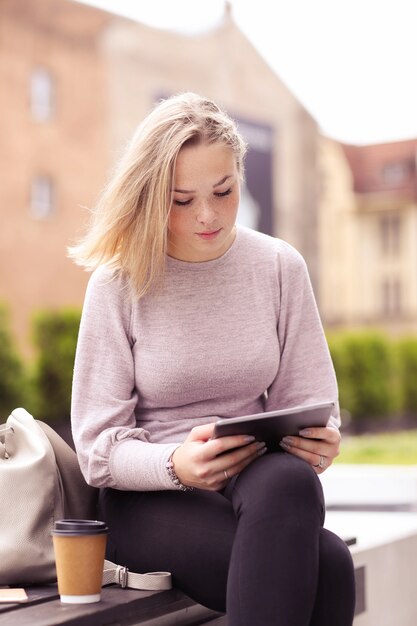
335, 598
336, 559
280, 478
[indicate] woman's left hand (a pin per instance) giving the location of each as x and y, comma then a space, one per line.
317, 446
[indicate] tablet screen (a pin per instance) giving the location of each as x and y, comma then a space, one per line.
273, 425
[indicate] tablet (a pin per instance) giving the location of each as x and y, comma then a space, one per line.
272, 426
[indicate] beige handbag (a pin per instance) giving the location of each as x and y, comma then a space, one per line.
40, 482
34, 492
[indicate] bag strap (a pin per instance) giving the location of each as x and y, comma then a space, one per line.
80, 500
152, 581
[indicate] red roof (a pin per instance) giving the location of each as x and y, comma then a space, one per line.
387, 167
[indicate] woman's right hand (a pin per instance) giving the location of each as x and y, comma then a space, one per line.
207, 463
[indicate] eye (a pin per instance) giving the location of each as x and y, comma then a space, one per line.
222, 194
182, 202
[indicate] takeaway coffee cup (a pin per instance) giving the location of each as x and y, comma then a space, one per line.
79, 547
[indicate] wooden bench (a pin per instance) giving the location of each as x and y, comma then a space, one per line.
124, 607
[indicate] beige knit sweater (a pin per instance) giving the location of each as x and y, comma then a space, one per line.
237, 335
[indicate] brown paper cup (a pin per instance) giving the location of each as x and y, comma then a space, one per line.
79, 547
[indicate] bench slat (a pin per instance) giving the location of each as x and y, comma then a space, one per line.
118, 605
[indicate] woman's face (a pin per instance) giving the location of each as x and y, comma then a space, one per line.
205, 200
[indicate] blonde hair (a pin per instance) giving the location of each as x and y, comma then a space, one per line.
128, 231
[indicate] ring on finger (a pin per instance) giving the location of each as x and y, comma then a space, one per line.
226, 475
322, 463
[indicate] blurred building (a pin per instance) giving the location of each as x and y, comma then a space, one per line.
74, 83
53, 150
368, 235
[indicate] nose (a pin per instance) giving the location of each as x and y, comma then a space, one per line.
205, 213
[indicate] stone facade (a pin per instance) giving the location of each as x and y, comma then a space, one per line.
74, 83
53, 151
368, 217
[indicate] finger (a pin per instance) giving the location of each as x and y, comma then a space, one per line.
196, 468
323, 464
328, 433
312, 451
319, 462
239, 458
235, 469
313, 445
327, 446
217, 479
223, 445
201, 433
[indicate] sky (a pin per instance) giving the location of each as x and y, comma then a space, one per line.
351, 63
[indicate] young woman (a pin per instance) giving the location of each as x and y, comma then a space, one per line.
188, 318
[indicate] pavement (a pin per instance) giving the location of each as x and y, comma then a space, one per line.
379, 487
375, 503
371, 529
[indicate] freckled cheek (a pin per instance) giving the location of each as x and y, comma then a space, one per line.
231, 208
179, 223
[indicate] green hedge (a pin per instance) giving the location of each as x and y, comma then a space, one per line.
407, 349
13, 389
368, 370
55, 337
377, 374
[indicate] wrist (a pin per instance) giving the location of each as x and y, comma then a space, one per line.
170, 468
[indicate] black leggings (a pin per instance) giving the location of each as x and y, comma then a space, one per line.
256, 550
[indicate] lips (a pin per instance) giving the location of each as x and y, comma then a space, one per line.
209, 234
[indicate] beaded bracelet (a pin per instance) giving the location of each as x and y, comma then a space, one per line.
173, 476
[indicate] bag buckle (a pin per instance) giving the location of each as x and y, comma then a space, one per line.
121, 575
5, 430
3, 450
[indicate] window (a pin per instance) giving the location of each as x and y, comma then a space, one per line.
42, 197
390, 234
41, 94
384, 234
395, 173
385, 298
396, 303
391, 297
395, 235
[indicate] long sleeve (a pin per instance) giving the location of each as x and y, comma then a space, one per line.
112, 451
306, 373
208, 342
